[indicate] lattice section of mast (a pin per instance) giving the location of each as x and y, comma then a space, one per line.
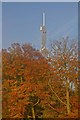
43, 30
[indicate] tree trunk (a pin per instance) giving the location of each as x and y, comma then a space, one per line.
76, 87
33, 113
67, 97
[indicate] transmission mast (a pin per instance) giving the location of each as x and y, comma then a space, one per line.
43, 30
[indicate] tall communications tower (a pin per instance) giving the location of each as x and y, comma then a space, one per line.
43, 30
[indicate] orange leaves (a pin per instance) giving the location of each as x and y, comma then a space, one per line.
26, 73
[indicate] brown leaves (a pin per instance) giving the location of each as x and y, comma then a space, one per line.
26, 73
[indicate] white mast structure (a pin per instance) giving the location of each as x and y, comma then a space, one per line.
43, 30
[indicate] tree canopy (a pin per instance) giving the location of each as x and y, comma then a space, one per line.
36, 87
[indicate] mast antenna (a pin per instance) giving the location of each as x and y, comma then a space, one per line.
43, 19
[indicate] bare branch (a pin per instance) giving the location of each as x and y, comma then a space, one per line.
36, 103
56, 94
52, 107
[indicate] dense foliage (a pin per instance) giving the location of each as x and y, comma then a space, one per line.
36, 87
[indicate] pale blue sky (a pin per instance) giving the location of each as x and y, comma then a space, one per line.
0, 25
40, 0
21, 22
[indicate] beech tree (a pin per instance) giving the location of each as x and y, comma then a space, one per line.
0, 84
23, 76
65, 67
36, 87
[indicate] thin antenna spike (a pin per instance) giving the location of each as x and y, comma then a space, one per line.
43, 19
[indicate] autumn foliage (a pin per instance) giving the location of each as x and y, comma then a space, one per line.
36, 87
